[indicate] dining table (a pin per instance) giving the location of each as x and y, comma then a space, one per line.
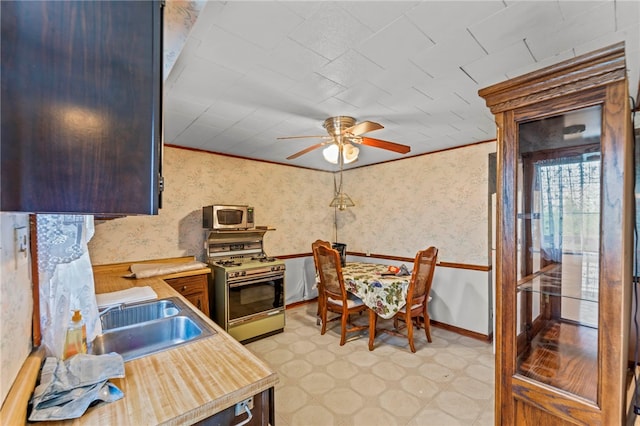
383, 292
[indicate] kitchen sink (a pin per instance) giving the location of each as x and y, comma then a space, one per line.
124, 315
146, 328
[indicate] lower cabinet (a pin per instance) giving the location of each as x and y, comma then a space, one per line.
194, 288
262, 413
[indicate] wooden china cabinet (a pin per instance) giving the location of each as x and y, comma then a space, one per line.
564, 243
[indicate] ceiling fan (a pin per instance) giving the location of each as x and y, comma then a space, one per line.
343, 131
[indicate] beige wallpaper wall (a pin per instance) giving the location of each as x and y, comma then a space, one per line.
286, 198
401, 207
404, 206
16, 304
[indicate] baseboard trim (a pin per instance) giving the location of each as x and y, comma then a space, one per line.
300, 302
463, 331
448, 327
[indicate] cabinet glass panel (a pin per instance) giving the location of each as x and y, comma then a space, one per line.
558, 238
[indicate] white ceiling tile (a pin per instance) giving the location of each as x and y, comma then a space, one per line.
231, 110
188, 50
493, 68
570, 9
304, 9
259, 22
401, 99
361, 94
260, 120
442, 20
534, 66
257, 87
231, 51
335, 106
174, 124
456, 81
293, 60
197, 135
577, 29
449, 54
316, 88
229, 140
349, 69
379, 17
330, 31
627, 14
212, 119
180, 102
400, 40
400, 75
202, 78
516, 22
630, 36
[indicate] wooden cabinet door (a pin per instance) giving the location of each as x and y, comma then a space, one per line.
194, 288
81, 106
199, 302
564, 240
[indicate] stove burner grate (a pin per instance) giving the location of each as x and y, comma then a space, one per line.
264, 259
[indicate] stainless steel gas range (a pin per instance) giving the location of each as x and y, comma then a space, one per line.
248, 285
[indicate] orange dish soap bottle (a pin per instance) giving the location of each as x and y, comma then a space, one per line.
76, 337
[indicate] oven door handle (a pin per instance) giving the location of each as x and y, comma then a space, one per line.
255, 317
255, 280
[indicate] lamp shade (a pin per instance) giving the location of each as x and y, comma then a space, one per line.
342, 201
330, 153
349, 153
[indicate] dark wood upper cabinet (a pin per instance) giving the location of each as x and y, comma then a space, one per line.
564, 243
81, 106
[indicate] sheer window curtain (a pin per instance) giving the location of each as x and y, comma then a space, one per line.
66, 277
568, 201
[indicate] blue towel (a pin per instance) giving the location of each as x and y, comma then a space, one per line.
67, 388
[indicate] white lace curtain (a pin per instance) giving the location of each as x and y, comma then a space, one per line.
66, 277
568, 201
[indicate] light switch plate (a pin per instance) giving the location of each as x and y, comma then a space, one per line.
21, 242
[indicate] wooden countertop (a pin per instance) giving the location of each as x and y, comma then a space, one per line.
181, 385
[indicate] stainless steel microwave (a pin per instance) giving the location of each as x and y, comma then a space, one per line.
231, 217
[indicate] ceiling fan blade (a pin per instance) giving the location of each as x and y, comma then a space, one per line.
309, 149
303, 137
364, 127
391, 146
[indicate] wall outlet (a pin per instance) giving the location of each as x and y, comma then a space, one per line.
246, 403
368, 253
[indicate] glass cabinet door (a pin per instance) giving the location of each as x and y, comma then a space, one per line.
558, 239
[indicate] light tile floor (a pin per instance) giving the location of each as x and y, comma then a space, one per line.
446, 382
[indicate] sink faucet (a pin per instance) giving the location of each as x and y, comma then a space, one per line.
110, 308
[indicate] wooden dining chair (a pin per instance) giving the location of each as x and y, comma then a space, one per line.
335, 297
418, 291
314, 246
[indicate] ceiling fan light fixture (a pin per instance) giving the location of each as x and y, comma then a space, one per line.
349, 153
330, 153
342, 201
